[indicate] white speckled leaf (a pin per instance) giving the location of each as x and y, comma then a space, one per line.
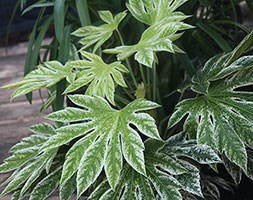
91, 164
164, 23
32, 169
102, 78
166, 175
46, 186
179, 145
46, 75
67, 190
108, 136
98, 35
151, 12
223, 115
27, 148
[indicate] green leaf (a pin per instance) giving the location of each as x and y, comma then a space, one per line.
158, 37
92, 35
222, 114
27, 148
221, 42
74, 156
46, 75
216, 69
59, 12
190, 181
151, 12
83, 12
164, 179
32, 169
101, 130
244, 46
250, 164
43, 129
39, 4
28, 161
67, 189
113, 161
203, 154
46, 186
91, 164
101, 77
18, 159
234, 171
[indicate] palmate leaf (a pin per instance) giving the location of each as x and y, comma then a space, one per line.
158, 37
105, 136
100, 76
99, 35
167, 175
46, 75
222, 115
27, 160
151, 12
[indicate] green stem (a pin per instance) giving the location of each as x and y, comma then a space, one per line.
149, 83
154, 83
142, 75
127, 61
123, 100
129, 85
128, 93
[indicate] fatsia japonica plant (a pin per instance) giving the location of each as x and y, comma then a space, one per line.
109, 142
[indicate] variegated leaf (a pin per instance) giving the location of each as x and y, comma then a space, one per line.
102, 78
222, 114
28, 148
46, 186
234, 171
98, 35
164, 179
164, 29
28, 161
107, 135
151, 12
46, 75
32, 169
179, 144
68, 189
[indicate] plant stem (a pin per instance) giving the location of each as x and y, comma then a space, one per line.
127, 61
123, 100
143, 75
128, 93
149, 83
154, 82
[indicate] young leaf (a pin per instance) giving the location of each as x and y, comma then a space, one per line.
158, 37
92, 35
46, 75
107, 136
100, 76
223, 115
151, 12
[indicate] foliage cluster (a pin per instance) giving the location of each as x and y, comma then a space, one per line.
147, 123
